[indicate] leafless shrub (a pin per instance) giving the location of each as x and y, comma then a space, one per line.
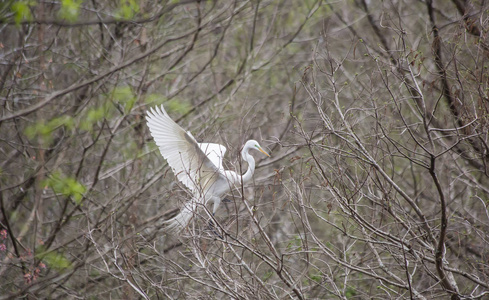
376, 115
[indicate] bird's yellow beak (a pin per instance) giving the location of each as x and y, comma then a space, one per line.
262, 151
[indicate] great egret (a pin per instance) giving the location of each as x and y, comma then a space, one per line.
197, 165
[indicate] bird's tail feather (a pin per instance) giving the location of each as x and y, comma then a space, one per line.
181, 221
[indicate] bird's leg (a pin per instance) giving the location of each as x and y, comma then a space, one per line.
212, 226
217, 202
226, 200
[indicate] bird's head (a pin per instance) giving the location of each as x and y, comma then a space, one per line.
253, 145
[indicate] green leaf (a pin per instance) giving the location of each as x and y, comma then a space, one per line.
127, 9
69, 10
56, 261
22, 10
350, 292
45, 130
67, 186
125, 96
177, 105
316, 277
93, 115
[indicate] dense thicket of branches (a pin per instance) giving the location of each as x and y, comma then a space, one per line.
376, 114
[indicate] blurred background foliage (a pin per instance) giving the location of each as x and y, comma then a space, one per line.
375, 113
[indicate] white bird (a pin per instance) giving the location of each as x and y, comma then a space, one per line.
197, 165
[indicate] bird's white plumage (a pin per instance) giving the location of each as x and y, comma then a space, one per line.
185, 156
214, 152
197, 165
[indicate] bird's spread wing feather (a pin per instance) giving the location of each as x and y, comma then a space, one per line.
214, 152
186, 157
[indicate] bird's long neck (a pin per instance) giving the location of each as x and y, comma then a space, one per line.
251, 166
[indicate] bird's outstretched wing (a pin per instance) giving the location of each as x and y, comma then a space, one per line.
186, 157
214, 152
